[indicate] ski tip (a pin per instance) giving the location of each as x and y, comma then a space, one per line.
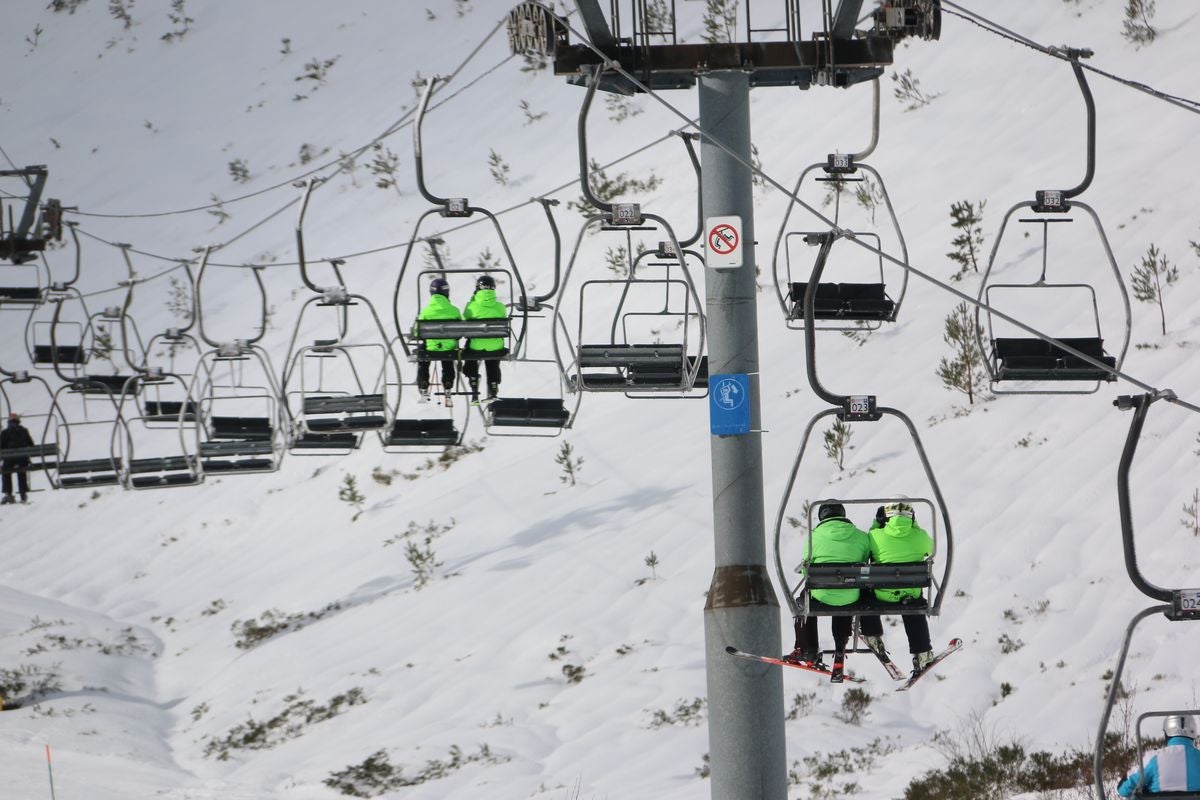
731, 650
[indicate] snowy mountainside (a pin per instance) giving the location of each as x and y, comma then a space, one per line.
544, 634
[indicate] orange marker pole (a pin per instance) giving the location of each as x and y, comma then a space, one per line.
50, 769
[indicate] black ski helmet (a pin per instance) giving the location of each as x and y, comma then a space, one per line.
439, 286
830, 510
485, 282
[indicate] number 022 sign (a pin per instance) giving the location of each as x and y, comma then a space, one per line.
723, 241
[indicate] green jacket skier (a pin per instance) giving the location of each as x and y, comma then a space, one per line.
439, 307
834, 540
489, 349
898, 540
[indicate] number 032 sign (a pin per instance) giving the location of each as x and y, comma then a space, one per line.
723, 241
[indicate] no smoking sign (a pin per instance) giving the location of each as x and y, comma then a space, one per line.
723, 241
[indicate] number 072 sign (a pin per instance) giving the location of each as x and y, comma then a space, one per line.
723, 241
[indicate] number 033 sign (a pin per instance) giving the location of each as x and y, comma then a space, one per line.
723, 241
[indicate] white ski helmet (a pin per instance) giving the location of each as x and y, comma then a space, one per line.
1179, 726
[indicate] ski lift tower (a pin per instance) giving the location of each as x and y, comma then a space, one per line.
746, 732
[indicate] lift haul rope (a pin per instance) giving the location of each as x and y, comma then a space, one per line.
694, 124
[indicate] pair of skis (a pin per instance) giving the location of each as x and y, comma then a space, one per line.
837, 675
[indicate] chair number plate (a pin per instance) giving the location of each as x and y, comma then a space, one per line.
1189, 601
860, 404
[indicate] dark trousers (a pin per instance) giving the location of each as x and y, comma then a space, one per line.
447, 374
808, 640
471, 370
916, 627
22, 471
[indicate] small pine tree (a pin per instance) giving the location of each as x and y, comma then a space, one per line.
1137, 26
569, 462
967, 219
652, 563
179, 300
658, 19
837, 442
720, 21
498, 167
1191, 514
530, 115
620, 108
869, 195
908, 90
239, 170
1151, 277
964, 371
385, 166
348, 493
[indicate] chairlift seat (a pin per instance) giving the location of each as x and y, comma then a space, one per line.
88, 472
256, 429
103, 384
20, 294
63, 354
844, 301
625, 355
418, 432
238, 465
462, 329
162, 464
36, 451
330, 440
236, 448
1029, 358
368, 422
164, 480
914, 575
343, 404
529, 412
169, 410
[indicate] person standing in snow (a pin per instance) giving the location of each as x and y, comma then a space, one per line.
439, 307
834, 540
1173, 768
11, 438
484, 305
896, 538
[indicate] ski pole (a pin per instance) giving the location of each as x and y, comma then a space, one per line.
50, 769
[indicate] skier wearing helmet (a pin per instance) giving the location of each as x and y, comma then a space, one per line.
897, 539
835, 540
484, 305
1173, 768
439, 307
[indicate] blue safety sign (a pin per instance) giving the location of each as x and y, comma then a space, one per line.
729, 404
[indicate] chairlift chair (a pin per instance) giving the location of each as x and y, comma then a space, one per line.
149, 428
1026, 364
83, 425
239, 424
623, 355
825, 576
32, 398
842, 305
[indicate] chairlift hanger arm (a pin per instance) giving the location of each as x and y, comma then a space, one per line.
308, 187
1089, 102
585, 182
418, 160
688, 137
870, 148
538, 300
1141, 407
810, 327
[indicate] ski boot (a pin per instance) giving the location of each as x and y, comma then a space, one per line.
424, 394
474, 391
493, 390
839, 667
8, 500
24, 499
921, 662
801, 656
